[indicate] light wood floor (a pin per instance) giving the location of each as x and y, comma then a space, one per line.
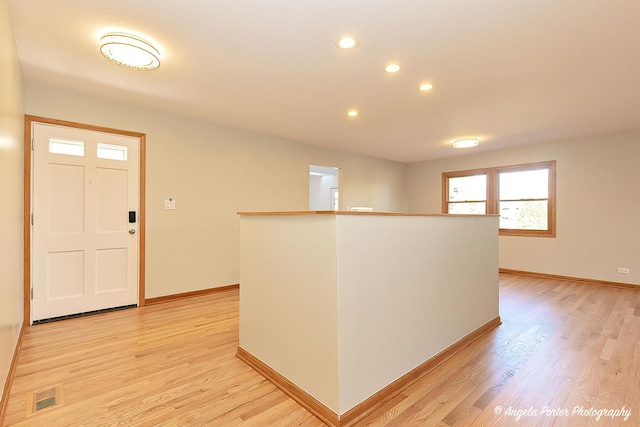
561, 345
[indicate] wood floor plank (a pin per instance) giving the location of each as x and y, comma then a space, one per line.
561, 344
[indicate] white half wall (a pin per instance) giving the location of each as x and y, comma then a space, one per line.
409, 287
598, 200
289, 299
343, 305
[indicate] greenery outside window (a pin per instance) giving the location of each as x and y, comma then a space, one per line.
523, 196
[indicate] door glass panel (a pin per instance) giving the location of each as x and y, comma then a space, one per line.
112, 152
66, 146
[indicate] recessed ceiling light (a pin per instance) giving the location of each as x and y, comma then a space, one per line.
352, 113
466, 143
426, 86
347, 42
130, 51
392, 68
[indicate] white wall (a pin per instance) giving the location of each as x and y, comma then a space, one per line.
212, 172
11, 170
598, 203
316, 201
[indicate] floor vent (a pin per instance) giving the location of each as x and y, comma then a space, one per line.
44, 399
86, 313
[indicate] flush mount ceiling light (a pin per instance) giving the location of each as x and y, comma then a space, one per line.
426, 86
392, 68
130, 51
352, 113
466, 143
347, 42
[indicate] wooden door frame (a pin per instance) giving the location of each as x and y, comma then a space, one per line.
28, 136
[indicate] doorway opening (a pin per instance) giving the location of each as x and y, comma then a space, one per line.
324, 188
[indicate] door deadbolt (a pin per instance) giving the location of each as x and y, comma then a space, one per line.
132, 231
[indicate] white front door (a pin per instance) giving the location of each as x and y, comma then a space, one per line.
84, 243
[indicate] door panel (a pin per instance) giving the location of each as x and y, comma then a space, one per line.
109, 276
65, 274
65, 206
83, 256
111, 188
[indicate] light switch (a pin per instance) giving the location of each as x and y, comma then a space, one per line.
170, 204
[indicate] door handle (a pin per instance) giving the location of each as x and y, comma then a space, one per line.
132, 231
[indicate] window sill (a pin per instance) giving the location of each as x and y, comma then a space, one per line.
527, 233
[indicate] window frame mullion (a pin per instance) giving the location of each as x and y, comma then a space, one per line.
492, 192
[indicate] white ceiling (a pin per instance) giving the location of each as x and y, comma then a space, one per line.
512, 72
